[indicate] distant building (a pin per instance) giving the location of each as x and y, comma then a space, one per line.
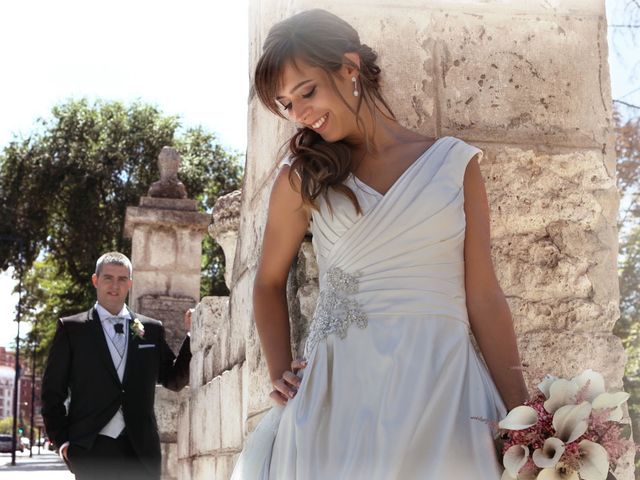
7, 377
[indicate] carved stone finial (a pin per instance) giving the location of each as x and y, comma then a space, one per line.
168, 186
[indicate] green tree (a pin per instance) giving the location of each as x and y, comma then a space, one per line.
66, 187
6, 425
628, 326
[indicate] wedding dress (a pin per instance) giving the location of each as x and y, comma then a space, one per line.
393, 381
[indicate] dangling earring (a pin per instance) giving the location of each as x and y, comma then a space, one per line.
355, 86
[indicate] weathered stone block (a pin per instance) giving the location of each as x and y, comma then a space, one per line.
196, 370
224, 467
139, 247
212, 317
170, 310
189, 248
498, 82
185, 284
534, 7
266, 133
307, 264
184, 430
225, 223
529, 190
580, 315
211, 363
148, 282
205, 419
566, 354
307, 298
204, 468
162, 246
241, 313
231, 408
184, 469
533, 268
166, 218
254, 216
166, 409
170, 469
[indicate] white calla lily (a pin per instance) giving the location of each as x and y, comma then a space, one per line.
549, 455
611, 401
545, 385
561, 392
560, 472
519, 418
507, 476
595, 461
514, 459
595, 381
570, 421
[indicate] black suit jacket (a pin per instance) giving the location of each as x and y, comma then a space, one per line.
80, 366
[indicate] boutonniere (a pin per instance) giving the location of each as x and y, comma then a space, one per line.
137, 328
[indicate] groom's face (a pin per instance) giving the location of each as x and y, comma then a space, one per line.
112, 286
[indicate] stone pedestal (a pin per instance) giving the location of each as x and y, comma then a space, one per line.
166, 252
167, 237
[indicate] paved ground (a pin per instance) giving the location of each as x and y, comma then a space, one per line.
46, 466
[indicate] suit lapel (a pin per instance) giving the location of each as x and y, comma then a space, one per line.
132, 347
98, 334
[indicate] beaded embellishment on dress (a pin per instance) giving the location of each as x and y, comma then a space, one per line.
335, 311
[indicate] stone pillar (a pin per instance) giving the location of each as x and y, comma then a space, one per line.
166, 231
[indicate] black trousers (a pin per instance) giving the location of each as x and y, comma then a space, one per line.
108, 459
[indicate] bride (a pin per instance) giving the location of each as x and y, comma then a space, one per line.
390, 380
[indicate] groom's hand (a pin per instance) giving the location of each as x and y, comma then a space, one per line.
286, 387
187, 319
63, 452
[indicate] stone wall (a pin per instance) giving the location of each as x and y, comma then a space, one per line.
166, 249
526, 82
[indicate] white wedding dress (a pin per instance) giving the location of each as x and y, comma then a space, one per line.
392, 380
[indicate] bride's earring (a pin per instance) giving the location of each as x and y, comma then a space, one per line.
355, 86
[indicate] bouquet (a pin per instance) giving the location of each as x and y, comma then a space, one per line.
569, 430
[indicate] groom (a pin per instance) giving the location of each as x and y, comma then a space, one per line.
99, 382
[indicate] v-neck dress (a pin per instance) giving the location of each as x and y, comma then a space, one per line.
394, 388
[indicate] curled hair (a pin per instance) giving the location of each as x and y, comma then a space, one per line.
114, 258
319, 39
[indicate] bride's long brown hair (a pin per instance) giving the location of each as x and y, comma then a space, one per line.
319, 39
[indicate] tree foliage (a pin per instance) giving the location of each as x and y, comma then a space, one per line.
628, 326
66, 187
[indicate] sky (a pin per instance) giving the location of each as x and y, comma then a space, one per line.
189, 58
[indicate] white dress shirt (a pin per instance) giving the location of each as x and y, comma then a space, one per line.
116, 424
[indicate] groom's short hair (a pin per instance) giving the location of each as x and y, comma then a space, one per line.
116, 258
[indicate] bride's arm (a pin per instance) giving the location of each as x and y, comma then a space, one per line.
489, 313
286, 226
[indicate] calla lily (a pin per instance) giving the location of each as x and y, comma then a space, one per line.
611, 401
514, 459
519, 418
561, 392
506, 476
570, 421
545, 385
595, 461
550, 453
560, 472
595, 380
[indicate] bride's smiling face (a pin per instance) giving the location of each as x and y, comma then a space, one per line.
307, 96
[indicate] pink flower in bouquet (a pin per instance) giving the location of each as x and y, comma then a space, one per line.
569, 431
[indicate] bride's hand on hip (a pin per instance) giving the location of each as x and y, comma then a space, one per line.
286, 387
